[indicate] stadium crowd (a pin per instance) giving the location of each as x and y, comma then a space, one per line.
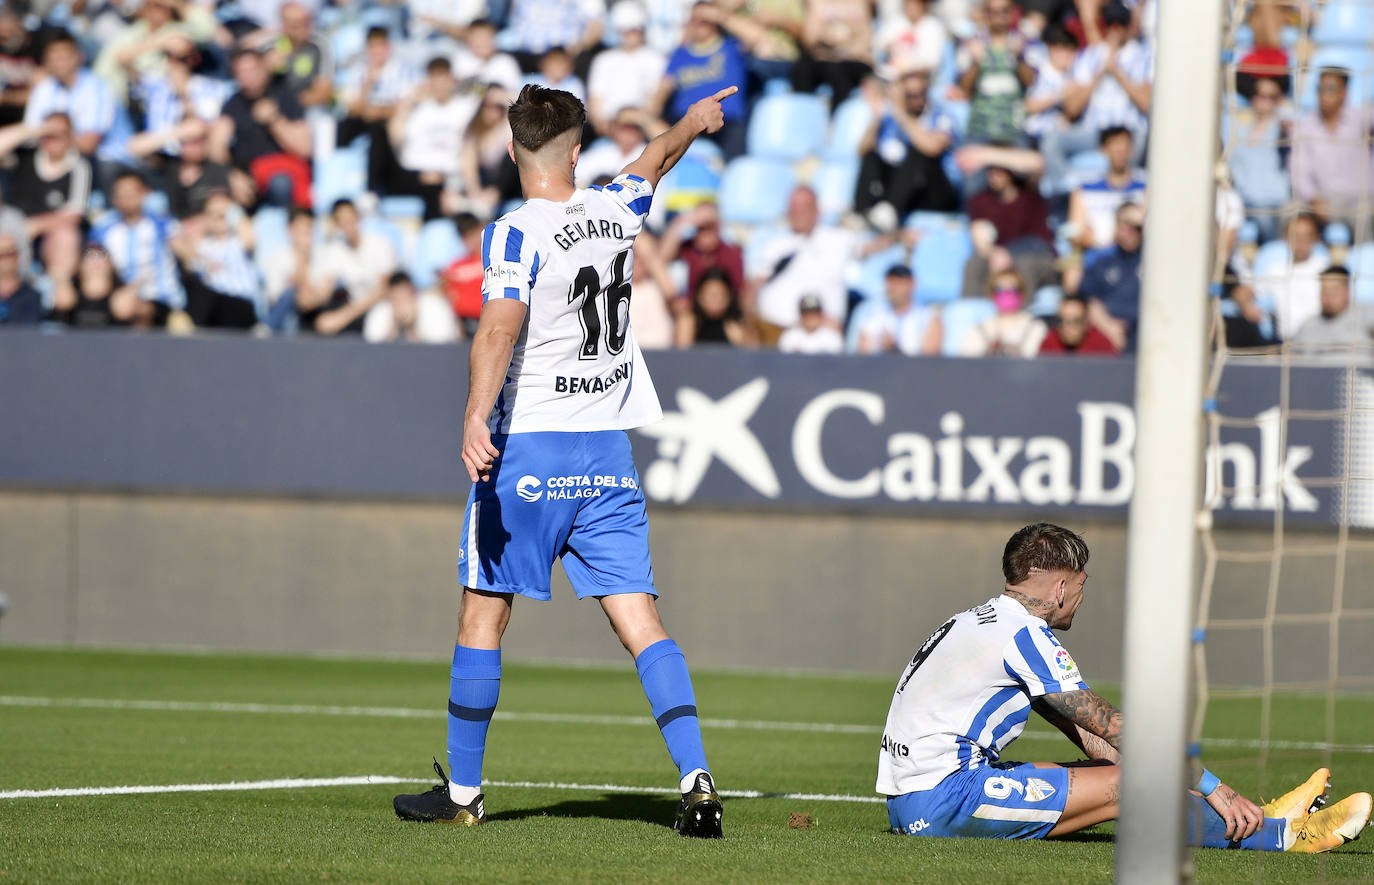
961, 177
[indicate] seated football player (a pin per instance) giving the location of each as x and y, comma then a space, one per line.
969, 690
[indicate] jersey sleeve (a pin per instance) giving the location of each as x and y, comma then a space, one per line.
509, 262
632, 192
1036, 660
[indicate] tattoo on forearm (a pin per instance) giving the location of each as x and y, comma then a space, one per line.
1088, 710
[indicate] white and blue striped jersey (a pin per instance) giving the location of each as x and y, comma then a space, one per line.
223, 264
1109, 104
576, 366
164, 108
141, 254
90, 104
966, 694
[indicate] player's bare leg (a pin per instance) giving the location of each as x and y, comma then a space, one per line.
1094, 796
483, 617
668, 686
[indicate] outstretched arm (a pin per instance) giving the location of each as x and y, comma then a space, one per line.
664, 151
498, 328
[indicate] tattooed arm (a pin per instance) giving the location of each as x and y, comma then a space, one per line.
1096, 748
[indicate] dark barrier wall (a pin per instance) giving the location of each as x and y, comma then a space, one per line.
750, 430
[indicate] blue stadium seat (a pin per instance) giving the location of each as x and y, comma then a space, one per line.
755, 191
435, 249
787, 127
1344, 21
938, 262
756, 246
402, 208
1045, 301
924, 220
342, 174
690, 182
347, 43
868, 279
704, 150
847, 126
1361, 264
1088, 165
959, 317
1336, 234
834, 184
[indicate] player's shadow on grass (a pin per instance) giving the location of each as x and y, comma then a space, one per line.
612, 806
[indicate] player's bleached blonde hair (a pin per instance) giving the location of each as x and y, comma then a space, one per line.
1045, 547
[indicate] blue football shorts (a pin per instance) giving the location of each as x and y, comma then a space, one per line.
554, 495
1004, 800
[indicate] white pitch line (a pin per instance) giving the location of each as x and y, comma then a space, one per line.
579, 719
372, 779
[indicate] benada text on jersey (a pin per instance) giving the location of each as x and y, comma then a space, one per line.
576, 365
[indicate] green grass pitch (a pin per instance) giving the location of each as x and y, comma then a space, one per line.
252, 718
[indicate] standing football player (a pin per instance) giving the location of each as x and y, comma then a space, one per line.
968, 691
556, 380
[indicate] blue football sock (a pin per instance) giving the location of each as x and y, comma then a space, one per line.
1206, 828
472, 694
663, 673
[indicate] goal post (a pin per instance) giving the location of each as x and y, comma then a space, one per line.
1161, 550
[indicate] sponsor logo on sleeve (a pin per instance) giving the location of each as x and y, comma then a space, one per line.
1067, 668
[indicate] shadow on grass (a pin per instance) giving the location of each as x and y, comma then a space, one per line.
611, 806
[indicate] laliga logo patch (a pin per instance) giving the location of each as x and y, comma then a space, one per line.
1038, 790
528, 489
1065, 661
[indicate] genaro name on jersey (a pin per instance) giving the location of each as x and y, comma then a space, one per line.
576, 365
966, 694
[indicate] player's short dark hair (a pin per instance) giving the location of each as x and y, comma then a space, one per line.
540, 115
1339, 73
1112, 132
1045, 547
439, 65
466, 222
377, 32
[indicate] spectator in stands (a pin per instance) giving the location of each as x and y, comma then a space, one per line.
14, 224
95, 298
18, 63
1013, 331
426, 132
463, 278
141, 47
556, 72
837, 47
1071, 334
903, 149
651, 308
138, 244
288, 272
489, 175
811, 259
1294, 286
1009, 219
406, 315
1110, 89
1045, 97
606, 157
300, 62
1332, 163
769, 31
899, 324
704, 249
51, 186
706, 62
20, 303
993, 72
263, 131
813, 333
479, 63
1093, 204
101, 126
1340, 325
536, 26
191, 176
350, 275
913, 41
624, 77
1111, 285
439, 26
1247, 325
174, 96
217, 273
374, 86
266, 13
1256, 160
716, 315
